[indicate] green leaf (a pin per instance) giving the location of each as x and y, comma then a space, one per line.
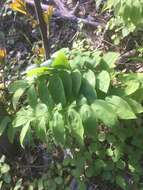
22, 117
104, 112
109, 152
11, 134
58, 128
67, 83
18, 185
121, 107
88, 91
60, 60
7, 178
17, 95
3, 124
4, 168
121, 164
103, 81
102, 136
75, 124
90, 77
23, 133
59, 180
20, 84
38, 71
40, 184
110, 59
131, 86
76, 82
32, 96
41, 129
44, 93
136, 107
88, 119
120, 181
57, 90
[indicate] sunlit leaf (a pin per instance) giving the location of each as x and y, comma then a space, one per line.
24, 132
103, 81
60, 60
121, 107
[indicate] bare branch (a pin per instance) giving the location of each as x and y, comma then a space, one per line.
66, 14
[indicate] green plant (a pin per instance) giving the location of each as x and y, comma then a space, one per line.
86, 105
128, 17
5, 177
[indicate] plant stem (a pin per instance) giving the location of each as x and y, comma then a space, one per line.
43, 28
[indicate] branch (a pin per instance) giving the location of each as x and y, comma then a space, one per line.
43, 27
65, 14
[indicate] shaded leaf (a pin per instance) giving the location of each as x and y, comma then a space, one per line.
76, 82
75, 124
3, 124
67, 83
32, 96
57, 90
58, 128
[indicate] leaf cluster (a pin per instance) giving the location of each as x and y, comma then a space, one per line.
85, 105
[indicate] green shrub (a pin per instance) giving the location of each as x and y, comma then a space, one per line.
127, 18
86, 105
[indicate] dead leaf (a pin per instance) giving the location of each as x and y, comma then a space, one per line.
19, 5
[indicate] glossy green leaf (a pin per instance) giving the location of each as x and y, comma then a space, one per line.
121, 107
103, 81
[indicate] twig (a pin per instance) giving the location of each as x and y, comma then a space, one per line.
43, 27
